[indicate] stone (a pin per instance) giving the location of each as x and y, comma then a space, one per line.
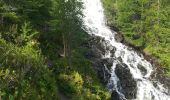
142, 69
127, 82
113, 52
115, 96
108, 62
119, 37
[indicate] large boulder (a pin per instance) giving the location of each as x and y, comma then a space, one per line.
127, 82
98, 47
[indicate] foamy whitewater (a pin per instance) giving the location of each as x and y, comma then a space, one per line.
94, 22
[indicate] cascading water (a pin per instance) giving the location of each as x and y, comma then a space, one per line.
94, 22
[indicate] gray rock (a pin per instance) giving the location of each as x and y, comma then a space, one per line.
128, 84
119, 37
113, 52
142, 69
108, 62
98, 47
115, 96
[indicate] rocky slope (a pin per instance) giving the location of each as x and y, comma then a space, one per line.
98, 47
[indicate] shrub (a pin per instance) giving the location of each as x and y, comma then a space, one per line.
23, 74
70, 84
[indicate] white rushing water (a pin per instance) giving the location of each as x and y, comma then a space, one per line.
94, 21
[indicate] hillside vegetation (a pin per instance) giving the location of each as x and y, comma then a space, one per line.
40, 52
144, 23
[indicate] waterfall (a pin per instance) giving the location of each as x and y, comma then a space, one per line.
94, 22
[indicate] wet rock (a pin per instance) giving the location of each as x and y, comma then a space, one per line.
142, 69
119, 37
93, 53
132, 66
108, 62
113, 52
129, 85
101, 47
98, 47
102, 71
115, 96
109, 47
96, 51
119, 59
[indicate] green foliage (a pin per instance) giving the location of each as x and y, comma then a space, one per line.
91, 87
143, 23
24, 74
32, 36
88, 95
66, 23
26, 35
7, 13
71, 84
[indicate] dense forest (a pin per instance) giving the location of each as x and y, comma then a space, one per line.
41, 57
143, 23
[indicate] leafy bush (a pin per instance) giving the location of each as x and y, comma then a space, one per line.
70, 84
23, 71
23, 74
